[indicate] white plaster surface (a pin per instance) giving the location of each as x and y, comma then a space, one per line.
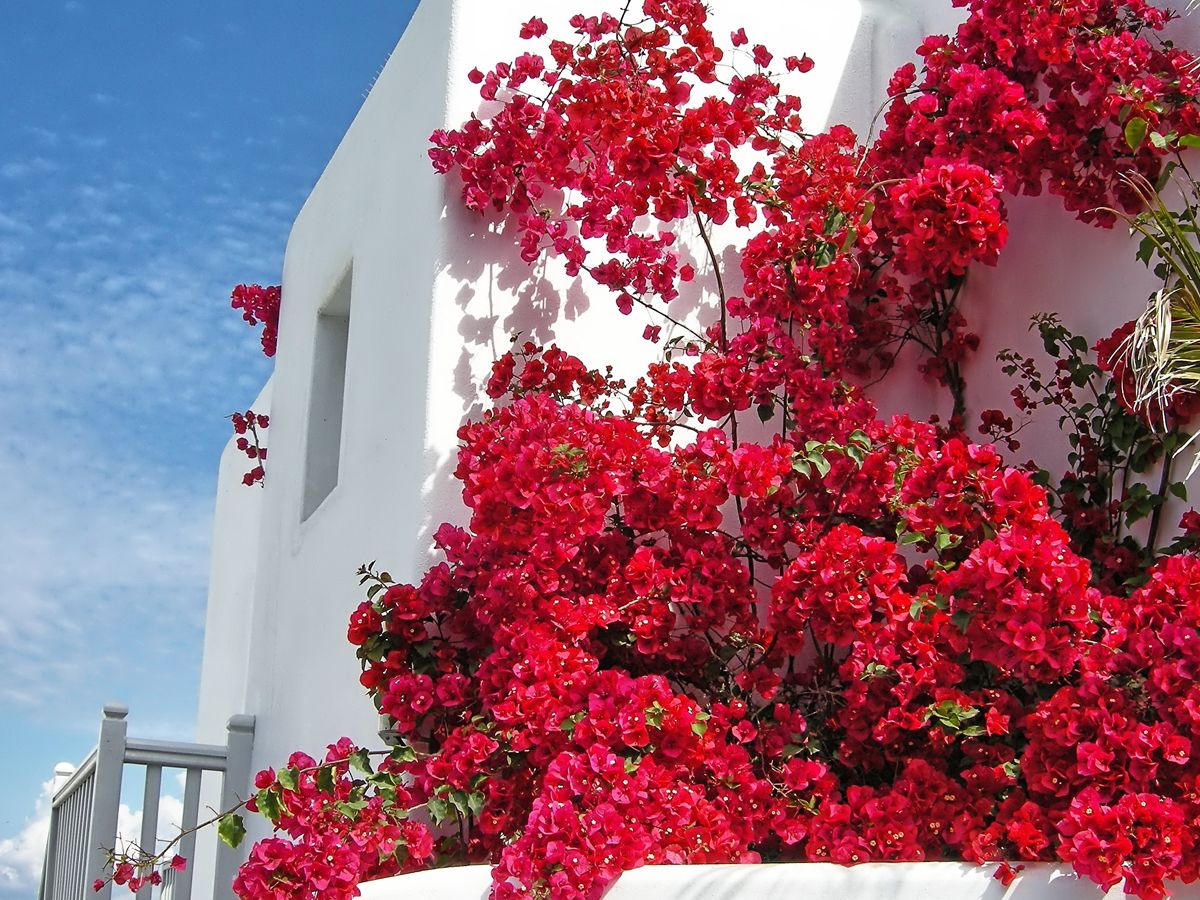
810, 881
231, 590
436, 293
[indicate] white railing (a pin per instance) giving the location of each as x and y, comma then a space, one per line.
83, 815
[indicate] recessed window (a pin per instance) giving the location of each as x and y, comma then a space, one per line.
327, 397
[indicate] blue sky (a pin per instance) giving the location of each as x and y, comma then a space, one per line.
152, 155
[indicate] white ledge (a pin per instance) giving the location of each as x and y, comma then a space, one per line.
810, 881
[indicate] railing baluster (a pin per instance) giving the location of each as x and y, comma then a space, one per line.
66, 858
191, 813
87, 805
75, 849
81, 831
148, 841
78, 839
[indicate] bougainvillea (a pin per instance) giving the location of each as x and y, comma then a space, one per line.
661, 641
247, 428
260, 305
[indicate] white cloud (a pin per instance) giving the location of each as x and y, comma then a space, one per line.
129, 823
21, 856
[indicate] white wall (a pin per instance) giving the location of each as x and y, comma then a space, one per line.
812, 881
232, 584
435, 293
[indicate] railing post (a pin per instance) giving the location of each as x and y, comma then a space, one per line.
102, 829
235, 787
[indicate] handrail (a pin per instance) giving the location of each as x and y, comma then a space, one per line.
176, 756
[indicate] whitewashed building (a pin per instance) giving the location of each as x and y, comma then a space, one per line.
396, 301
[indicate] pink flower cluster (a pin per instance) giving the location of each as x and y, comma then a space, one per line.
134, 875
338, 836
247, 426
260, 304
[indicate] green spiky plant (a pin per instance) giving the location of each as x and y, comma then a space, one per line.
1163, 350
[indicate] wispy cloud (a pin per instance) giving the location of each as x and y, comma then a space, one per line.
106, 561
37, 165
118, 350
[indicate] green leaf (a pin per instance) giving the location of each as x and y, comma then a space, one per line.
874, 670
1158, 140
654, 715
403, 754
1164, 177
1190, 140
231, 829
351, 808
460, 801
820, 463
325, 779
1179, 489
766, 411
373, 590
289, 778
698, 728
269, 803
361, 761
568, 724
439, 810
475, 803
1135, 132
